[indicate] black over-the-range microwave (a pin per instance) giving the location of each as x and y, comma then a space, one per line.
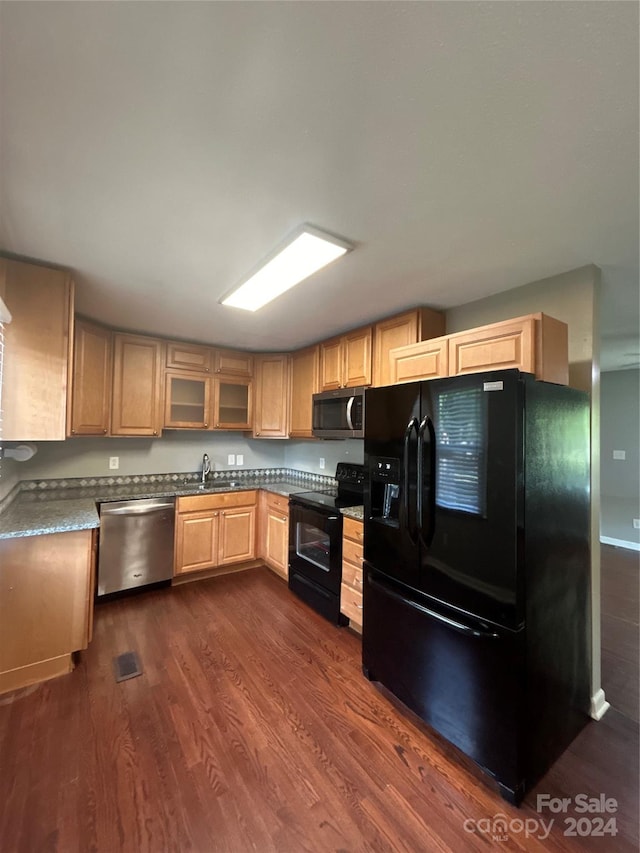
339, 413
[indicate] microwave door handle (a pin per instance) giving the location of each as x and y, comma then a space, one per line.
350, 403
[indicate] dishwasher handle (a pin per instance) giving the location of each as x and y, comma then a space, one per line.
145, 509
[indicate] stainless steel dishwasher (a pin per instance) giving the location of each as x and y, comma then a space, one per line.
136, 543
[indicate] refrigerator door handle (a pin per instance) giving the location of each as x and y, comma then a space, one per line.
445, 620
426, 535
413, 424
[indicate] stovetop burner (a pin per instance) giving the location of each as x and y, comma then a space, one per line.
348, 492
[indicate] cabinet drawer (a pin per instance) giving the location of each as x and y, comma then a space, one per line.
353, 529
351, 604
220, 500
279, 503
352, 576
352, 551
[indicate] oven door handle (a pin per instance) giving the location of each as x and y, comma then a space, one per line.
350, 403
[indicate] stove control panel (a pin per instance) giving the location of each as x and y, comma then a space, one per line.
350, 474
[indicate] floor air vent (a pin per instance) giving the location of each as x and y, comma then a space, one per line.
126, 666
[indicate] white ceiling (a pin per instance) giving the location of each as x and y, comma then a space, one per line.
162, 149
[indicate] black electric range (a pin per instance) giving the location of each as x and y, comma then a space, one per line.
315, 540
348, 492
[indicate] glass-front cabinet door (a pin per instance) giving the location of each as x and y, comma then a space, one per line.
232, 403
187, 401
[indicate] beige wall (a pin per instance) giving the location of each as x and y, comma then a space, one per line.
574, 298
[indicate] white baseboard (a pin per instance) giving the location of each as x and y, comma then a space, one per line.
620, 543
599, 705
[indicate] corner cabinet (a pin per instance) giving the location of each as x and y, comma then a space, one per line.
37, 363
305, 380
272, 396
91, 383
137, 386
345, 362
214, 531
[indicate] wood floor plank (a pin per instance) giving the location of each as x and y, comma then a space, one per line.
253, 728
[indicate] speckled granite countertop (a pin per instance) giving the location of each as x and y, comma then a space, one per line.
35, 512
356, 512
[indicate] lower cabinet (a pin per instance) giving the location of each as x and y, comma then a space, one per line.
46, 605
274, 532
214, 530
351, 588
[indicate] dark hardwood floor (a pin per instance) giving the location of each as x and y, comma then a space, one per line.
253, 729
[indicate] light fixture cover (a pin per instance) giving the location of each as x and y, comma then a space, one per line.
304, 252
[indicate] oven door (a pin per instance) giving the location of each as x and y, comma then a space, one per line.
315, 545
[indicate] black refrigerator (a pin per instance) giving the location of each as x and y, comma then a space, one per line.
477, 564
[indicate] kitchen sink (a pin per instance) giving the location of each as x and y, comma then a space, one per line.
208, 487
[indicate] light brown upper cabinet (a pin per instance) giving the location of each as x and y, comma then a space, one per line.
137, 385
90, 409
187, 400
535, 344
232, 362
232, 403
272, 395
345, 362
419, 324
424, 360
305, 378
37, 358
189, 357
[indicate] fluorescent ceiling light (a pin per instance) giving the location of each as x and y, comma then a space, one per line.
304, 253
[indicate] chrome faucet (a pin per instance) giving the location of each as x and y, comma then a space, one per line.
206, 468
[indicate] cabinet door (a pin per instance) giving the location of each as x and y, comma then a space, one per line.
36, 367
233, 362
276, 552
137, 386
45, 586
272, 396
237, 535
196, 541
331, 358
424, 360
304, 384
495, 347
419, 324
187, 400
91, 385
232, 403
188, 357
357, 358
